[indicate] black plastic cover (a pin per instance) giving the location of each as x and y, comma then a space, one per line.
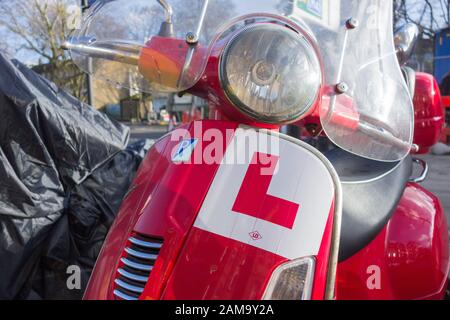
64, 171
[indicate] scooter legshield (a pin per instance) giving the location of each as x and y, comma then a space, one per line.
229, 206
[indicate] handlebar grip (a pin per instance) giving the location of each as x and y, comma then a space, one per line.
108, 50
346, 115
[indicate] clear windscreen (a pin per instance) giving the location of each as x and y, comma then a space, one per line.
373, 117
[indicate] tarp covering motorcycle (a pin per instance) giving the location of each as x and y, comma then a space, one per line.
64, 170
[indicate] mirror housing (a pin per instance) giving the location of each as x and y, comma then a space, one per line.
405, 39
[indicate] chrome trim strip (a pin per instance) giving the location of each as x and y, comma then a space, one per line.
136, 265
114, 52
124, 296
423, 176
132, 276
337, 221
145, 244
141, 255
168, 8
129, 287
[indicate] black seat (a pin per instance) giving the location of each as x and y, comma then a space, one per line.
371, 192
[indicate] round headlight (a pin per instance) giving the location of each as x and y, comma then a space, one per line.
271, 73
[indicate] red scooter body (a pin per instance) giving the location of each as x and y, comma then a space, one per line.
211, 230
410, 255
411, 252
163, 206
164, 201
428, 112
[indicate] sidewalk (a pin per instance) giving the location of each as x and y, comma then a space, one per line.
144, 131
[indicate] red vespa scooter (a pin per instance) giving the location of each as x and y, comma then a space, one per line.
230, 208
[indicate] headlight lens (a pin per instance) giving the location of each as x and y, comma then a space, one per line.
292, 281
271, 73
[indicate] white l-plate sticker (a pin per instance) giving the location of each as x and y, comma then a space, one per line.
300, 181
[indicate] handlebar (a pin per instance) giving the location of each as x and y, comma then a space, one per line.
160, 61
110, 50
382, 135
346, 115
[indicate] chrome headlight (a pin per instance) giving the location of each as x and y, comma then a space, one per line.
271, 73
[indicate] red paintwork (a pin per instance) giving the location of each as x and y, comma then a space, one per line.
446, 101
411, 251
228, 270
345, 112
164, 203
162, 60
231, 269
428, 111
172, 210
253, 199
144, 184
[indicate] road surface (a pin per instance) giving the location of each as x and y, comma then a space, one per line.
143, 131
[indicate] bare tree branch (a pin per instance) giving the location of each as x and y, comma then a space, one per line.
41, 26
429, 15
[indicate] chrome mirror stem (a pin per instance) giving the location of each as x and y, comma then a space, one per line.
166, 29
168, 9
405, 40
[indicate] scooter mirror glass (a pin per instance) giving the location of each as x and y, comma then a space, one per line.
366, 107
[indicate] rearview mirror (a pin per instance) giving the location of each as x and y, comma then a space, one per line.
405, 39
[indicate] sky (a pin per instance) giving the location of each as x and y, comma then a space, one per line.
14, 42
31, 58
241, 6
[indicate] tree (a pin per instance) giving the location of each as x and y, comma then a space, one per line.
429, 15
42, 26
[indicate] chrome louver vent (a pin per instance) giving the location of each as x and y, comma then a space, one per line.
136, 265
